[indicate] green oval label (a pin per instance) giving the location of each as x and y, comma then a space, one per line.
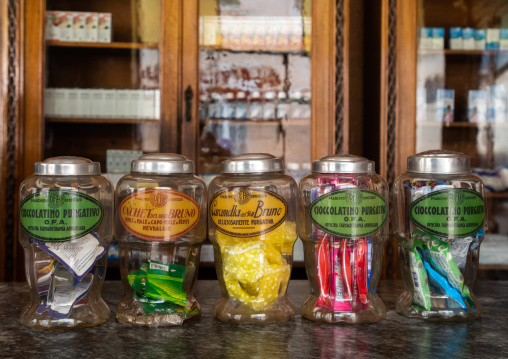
59, 215
451, 213
349, 213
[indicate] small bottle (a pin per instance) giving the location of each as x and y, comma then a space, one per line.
283, 106
343, 212
160, 226
256, 106
228, 106
241, 106
66, 217
439, 224
252, 228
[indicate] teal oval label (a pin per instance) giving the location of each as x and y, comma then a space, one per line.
451, 213
59, 215
349, 213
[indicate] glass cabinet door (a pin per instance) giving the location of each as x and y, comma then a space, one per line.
102, 93
461, 99
254, 82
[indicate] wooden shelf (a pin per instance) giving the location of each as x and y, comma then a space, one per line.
461, 52
460, 124
106, 45
501, 195
293, 121
107, 120
262, 50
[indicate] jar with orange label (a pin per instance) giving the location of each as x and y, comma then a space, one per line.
252, 228
160, 226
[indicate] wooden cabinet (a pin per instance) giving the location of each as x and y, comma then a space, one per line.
168, 32
440, 93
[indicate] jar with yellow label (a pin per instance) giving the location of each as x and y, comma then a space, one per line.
66, 217
160, 226
252, 228
343, 223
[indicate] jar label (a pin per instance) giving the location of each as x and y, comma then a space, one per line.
60, 215
349, 213
244, 212
450, 213
159, 214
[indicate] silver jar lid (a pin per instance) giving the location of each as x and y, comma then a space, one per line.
252, 163
162, 163
67, 166
343, 164
439, 162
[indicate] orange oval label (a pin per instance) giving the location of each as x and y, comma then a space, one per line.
159, 214
244, 212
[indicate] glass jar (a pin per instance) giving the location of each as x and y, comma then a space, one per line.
252, 228
66, 215
343, 211
439, 224
160, 226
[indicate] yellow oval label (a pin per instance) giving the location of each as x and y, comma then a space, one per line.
245, 212
159, 214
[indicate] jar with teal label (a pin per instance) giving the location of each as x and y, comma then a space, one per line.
66, 214
343, 223
439, 223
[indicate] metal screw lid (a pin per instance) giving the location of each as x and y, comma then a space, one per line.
252, 163
340, 163
440, 162
162, 163
67, 166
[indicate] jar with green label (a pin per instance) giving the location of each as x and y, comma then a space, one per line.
343, 223
66, 216
439, 224
160, 226
252, 228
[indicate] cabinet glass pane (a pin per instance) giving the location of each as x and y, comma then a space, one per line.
254, 82
102, 80
461, 96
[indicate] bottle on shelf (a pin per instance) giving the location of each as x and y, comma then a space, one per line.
241, 106
228, 106
269, 106
296, 104
256, 106
283, 105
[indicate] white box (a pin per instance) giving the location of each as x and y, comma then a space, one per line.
96, 103
492, 39
64, 20
105, 28
421, 104
122, 103
468, 34
84, 103
438, 38
49, 102
60, 98
109, 104
157, 107
477, 106
78, 26
497, 104
445, 105
91, 26
456, 42
425, 38
52, 30
72, 102
210, 30
134, 103
503, 39
147, 104
479, 39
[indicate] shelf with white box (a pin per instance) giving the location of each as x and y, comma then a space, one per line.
131, 105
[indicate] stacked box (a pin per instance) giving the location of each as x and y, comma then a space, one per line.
497, 104
492, 39
468, 40
479, 39
105, 28
445, 105
477, 106
456, 42
438, 38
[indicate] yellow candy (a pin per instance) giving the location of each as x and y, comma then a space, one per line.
254, 270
